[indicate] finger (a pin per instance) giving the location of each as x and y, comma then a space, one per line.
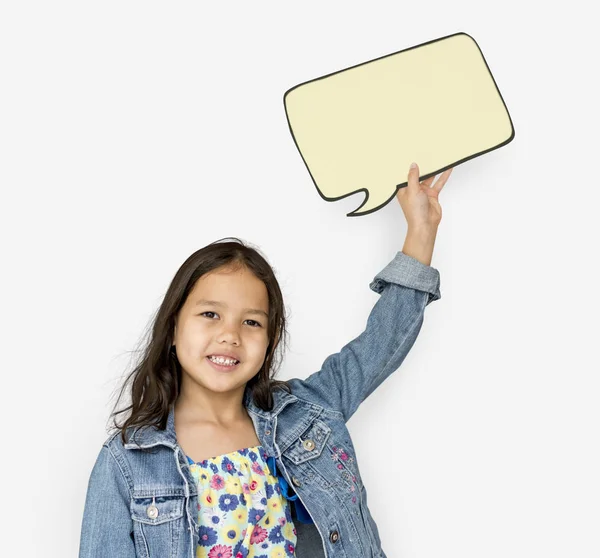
413, 177
428, 181
442, 180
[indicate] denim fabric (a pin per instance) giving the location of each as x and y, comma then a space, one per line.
142, 504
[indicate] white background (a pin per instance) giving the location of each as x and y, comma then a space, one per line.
134, 133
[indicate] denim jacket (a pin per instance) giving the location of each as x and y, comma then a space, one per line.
306, 433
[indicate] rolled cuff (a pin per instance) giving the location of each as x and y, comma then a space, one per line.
409, 272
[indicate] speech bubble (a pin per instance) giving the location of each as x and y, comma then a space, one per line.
359, 129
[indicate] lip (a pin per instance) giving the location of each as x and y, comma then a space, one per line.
221, 367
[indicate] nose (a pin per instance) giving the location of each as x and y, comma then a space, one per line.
229, 334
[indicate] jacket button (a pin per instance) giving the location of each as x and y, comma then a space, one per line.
267, 432
334, 536
296, 481
308, 444
152, 511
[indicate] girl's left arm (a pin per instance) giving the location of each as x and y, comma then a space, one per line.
349, 376
407, 285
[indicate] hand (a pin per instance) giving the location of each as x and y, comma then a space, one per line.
419, 201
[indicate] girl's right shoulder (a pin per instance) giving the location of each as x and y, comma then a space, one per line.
114, 440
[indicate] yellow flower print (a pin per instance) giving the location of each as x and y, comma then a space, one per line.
233, 485
240, 514
287, 531
230, 533
256, 485
203, 476
277, 553
268, 520
274, 503
209, 498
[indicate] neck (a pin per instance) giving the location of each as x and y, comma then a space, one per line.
217, 409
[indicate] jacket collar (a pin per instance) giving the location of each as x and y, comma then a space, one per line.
146, 437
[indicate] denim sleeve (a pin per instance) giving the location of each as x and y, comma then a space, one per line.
107, 525
349, 376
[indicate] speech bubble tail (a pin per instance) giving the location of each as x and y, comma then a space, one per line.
372, 203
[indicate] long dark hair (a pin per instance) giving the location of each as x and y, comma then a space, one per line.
156, 379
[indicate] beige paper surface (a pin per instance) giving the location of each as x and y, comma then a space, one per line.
360, 128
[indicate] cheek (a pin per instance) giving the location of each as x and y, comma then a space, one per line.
259, 345
195, 335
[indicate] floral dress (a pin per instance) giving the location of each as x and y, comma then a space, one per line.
242, 512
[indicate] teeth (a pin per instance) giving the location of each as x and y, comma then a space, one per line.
219, 360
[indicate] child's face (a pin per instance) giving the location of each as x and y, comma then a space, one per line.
225, 326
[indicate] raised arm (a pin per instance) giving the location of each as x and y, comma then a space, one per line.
407, 285
349, 376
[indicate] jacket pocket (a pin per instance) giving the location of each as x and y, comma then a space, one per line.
157, 524
310, 444
157, 510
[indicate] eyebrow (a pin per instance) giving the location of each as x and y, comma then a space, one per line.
204, 302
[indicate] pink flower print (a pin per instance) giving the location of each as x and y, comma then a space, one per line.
246, 488
253, 485
340, 466
256, 467
282, 521
258, 535
354, 499
341, 454
220, 551
217, 482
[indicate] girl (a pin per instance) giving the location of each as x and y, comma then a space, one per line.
216, 458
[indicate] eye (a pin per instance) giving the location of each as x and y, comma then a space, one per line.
257, 324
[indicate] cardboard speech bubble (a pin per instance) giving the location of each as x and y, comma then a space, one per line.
359, 129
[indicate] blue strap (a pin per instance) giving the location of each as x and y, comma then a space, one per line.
301, 513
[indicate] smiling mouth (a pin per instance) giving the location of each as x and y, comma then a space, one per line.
223, 367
